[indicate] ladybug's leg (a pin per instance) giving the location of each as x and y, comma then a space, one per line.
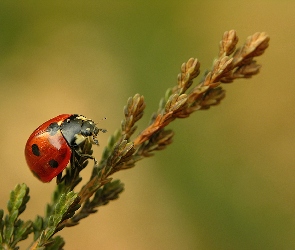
90, 157
59, 178
87, 156
72, 160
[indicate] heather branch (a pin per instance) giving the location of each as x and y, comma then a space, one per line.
122, 152
179, 102
225, 69
69, 207
118, 151
133, 111
189, 71
228, 43
13, 229
255, 45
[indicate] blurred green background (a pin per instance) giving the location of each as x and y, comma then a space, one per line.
227, 181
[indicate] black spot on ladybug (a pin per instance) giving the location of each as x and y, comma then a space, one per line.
52, 128
35, 150
53, 163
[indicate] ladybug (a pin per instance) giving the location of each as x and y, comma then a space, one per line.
50, 147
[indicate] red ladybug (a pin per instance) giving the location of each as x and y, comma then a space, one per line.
49, 148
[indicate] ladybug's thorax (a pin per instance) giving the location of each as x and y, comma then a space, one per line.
77, 128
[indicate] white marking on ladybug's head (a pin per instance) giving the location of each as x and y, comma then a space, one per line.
79, 139
81, 117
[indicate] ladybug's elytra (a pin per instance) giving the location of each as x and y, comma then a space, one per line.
49, 148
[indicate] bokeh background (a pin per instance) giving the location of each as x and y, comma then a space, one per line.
227, 181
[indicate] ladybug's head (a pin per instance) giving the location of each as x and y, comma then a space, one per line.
77, 128
90, 130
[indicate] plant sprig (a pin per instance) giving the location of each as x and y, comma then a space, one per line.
69, 206
231, 64
13, 229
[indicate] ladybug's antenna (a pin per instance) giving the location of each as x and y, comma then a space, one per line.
102, 119
101, 129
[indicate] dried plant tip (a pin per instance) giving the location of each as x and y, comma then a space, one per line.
157, 141
121, 153
189, 71
159, 122
124, 147
259, 41
255, 46
135, 105
212, 97
180, 102
246, 71
164, 139
220, 68
194, 98
228, 43
175, 102
193, 67
133, 111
